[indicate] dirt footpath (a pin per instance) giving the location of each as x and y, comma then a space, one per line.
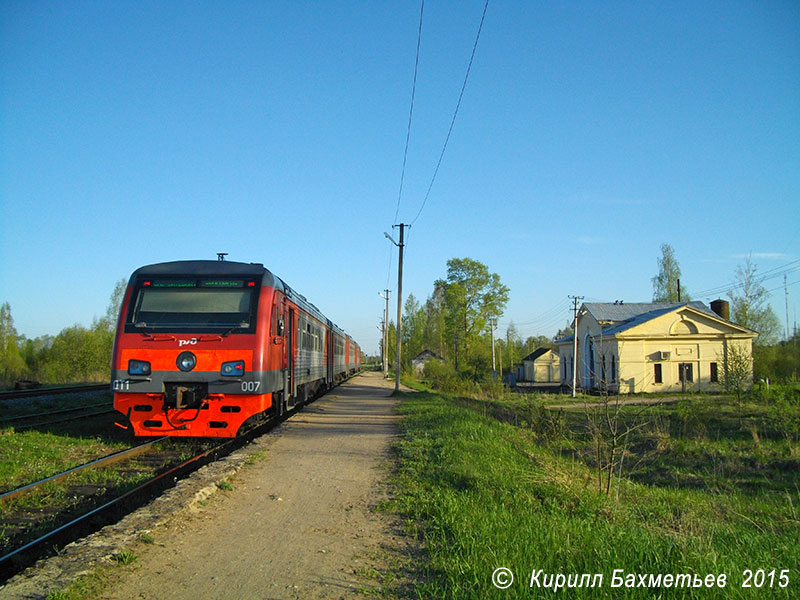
297, 523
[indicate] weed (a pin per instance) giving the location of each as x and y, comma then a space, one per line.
125, 558
85, 587
255, 457
225, 486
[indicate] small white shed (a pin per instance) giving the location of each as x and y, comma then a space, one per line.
419, 361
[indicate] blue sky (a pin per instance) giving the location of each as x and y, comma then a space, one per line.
589, 134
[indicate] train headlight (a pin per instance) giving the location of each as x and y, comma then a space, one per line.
138, 367
234, 368
186, 361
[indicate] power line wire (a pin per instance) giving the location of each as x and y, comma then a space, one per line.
778, 271
455, 113
410, 113
788, 285
546, 315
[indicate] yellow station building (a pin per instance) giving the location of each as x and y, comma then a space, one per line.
652, 347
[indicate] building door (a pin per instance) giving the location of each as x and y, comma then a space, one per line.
588, 363
685, 373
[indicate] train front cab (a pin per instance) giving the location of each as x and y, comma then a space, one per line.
201, 379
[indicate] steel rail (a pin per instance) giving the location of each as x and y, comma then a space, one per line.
62, 411
10, 394
59, 421
106, 460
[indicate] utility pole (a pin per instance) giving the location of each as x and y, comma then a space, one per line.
492, 323
575, 345
385, 333
400, 245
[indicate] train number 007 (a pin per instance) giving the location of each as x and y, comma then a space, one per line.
250, 386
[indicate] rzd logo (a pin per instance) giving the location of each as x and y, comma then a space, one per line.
191, 342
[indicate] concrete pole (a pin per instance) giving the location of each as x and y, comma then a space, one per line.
399, 309
575, 345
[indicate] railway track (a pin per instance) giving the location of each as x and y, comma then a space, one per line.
53, 391
100, 462
62, 411
109, 510
23, 422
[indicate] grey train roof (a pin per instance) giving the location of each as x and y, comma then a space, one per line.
220, 268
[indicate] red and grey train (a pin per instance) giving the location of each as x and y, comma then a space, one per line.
203, 346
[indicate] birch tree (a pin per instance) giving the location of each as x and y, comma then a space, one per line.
749, 305
665, 284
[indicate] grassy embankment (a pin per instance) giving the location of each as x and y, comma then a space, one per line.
706, 487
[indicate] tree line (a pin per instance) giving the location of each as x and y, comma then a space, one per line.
76, 354
454, 322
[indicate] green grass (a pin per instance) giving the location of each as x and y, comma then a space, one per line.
146, 538
484, 493
90, 585
31, 455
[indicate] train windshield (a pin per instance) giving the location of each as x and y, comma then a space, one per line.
194, 305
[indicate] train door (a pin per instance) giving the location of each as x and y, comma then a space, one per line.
291, 389
329, 351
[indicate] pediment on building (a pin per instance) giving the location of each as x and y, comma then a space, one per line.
686, 321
